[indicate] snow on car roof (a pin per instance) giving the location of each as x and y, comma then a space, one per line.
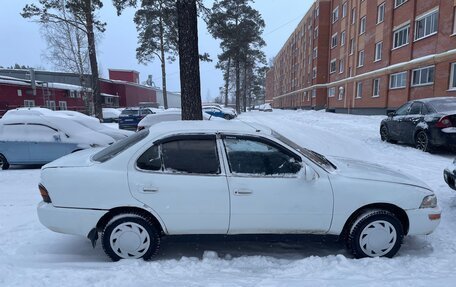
234, 126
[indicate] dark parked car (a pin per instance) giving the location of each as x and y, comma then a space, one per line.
449, 174
130, 117
426, 123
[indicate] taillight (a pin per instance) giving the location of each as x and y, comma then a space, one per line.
139, 128
44, 193
444, 122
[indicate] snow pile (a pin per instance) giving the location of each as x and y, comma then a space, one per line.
31, 255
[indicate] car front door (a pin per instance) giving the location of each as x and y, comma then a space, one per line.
269, 192
14, 143
181, 179
413, 117
396, 123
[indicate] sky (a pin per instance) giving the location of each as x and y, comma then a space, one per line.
21, 42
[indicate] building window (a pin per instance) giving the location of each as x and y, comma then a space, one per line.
378, 51
398, 81
341, 93
423, 76
352, 46
341, 66
63, 105
314, 73
316, 33
398, 3
453, 77
19, 93
361, 58
332, 92
342, 38
426, 25
314, 93
50, 105
362, 25
344, 10
332, 66
359, 90
376, 88
454, 20
315, 53
335, 14
353, 16
401, 37
334, 41
317, 12
29, 103
381, 13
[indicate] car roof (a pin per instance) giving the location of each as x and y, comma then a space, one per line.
430, 100
233, 126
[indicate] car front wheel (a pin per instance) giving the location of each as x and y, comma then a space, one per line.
3, 162
385, 136
376, 233
130, 236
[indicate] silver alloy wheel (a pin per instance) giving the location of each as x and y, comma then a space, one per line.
130, 240
422, 141
378, 238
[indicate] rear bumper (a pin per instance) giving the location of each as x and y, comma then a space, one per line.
440, 138
421, 222
68, 220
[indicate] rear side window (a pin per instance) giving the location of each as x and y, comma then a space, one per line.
194, 156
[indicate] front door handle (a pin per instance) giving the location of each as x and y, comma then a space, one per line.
243, 192
150, 189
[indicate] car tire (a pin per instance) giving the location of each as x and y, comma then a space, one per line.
130, 236
385, 136
422, 141
3, 162
375, 233
227, 117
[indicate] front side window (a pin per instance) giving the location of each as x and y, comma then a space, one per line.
398, 81
401, 37
415, 109
424, 76
258, 157
426, 25
403, 110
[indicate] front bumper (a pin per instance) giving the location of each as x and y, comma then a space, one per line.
450, 178
74, 221
421, 222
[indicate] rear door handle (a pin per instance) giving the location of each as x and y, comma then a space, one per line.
243, 192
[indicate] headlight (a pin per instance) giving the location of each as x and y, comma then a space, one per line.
429, 201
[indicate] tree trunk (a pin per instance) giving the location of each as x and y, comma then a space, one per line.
244, 92
238, 86
163, 62
189, 60
227, 81
93, 61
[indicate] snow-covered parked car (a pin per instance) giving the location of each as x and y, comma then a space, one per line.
228, 178
39, 139
215, 111
111, 115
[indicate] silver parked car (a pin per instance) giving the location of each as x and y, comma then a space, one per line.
29, 140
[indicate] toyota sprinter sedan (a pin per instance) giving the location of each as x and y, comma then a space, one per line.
228, 178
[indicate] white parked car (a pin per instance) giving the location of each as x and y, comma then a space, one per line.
228, 178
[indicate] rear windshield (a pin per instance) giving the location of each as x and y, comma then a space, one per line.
118, 147
130, 112
445, 105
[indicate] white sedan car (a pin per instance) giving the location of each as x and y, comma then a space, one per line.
228, 178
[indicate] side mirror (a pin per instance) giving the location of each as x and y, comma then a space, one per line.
310, 173
57, 137
391, 114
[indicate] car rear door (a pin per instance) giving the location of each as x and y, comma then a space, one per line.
182, 180
269, 192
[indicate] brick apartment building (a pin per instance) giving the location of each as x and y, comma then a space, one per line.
378, 54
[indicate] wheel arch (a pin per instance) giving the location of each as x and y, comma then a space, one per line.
128, 209
397, 211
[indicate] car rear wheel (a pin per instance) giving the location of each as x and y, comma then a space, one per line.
3, 162
130, 236
376, 233
422, 141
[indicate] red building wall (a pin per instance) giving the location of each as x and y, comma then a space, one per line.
124, 75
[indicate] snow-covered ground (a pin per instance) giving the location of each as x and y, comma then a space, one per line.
31, 255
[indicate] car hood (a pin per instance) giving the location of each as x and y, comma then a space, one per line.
75, 159
358, 169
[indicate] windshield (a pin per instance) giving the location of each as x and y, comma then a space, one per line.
118, 147
444, 105
310, 154
130, 112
